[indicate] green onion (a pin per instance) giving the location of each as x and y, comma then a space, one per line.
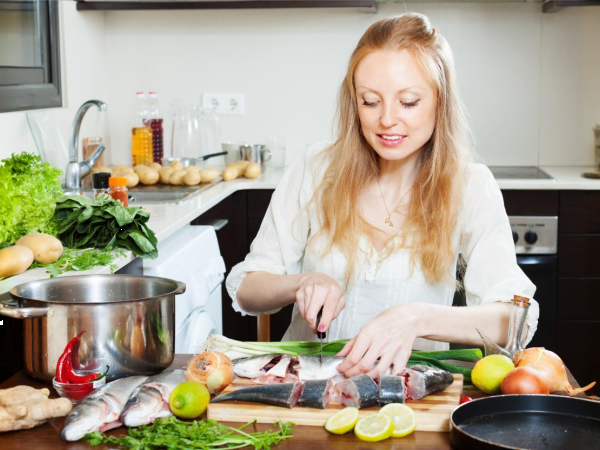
468, 354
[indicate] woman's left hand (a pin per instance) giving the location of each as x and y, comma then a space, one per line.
389, 337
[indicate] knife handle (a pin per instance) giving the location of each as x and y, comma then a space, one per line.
320, 334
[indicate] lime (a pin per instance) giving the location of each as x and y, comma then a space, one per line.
403, 418
373, 428
189, 399
342, 421
489, 372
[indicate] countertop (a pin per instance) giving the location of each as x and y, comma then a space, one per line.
166, 219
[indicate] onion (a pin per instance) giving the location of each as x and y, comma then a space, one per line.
551, 368
524, 380
214, 369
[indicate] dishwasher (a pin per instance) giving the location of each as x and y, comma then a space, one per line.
192, 255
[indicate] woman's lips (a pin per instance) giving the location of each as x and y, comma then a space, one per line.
393, 140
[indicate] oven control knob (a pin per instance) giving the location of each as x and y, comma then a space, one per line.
531, 237
515, 237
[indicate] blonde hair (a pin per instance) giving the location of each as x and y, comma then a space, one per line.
435, 202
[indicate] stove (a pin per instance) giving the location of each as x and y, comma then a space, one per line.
519, 173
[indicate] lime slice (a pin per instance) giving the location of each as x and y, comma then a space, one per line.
189, 400
376, 427
342, 421
403, 418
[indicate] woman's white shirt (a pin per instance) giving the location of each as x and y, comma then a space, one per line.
385, 279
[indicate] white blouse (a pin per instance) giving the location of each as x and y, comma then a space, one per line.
483, 236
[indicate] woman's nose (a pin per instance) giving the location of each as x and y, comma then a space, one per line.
390, 115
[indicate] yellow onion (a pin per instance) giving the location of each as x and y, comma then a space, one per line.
551, 368
214, 369
524, 380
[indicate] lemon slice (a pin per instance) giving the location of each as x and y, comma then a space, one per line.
342, 421
402, 416
373, 428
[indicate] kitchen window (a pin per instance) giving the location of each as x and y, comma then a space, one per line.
29, 55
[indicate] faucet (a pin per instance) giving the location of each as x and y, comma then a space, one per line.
76, 170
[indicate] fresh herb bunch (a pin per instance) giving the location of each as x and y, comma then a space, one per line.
29, 188
172, 433
81, 260
102, 224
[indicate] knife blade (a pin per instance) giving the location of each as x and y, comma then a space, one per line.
320, 334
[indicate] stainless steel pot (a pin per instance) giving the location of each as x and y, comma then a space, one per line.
127, 321
255, 153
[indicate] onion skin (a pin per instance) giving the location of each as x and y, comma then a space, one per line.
524, 380
551, 368
213, 369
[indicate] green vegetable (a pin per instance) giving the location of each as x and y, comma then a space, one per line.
29, 188
172, 433
104, 223
469, 354
81, 260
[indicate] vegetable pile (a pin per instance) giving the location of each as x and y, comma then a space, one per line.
29, 188
170, 432
79, 260
104, 223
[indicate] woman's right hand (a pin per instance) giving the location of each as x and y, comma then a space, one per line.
319, 290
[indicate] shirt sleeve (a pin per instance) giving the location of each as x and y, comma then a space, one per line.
487, 245
281, 240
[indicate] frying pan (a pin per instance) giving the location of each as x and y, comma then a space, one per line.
185, 162
526, 422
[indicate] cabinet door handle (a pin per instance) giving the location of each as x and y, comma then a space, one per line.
218, 224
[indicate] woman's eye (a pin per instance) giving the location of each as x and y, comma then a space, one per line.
409, 105
366, 103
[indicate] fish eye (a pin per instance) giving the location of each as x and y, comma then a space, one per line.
133, 400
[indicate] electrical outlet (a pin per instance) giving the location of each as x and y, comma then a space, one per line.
224, 103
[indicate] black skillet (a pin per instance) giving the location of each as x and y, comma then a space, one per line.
534, 422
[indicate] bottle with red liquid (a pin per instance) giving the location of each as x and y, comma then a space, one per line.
155, 121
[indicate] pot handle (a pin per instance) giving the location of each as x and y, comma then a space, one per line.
180, 288
8, 310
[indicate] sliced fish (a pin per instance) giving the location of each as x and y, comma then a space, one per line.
281, 394
316, 393
100, 410
254, 366
391, 389
423, 380
360, 391
150, 400
281, 368
310, 367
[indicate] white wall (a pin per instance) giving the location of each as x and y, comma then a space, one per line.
529, 80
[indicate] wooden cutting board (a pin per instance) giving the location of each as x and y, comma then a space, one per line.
433, 411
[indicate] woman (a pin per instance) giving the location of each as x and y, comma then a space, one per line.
370, 228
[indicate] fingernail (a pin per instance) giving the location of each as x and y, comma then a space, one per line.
321, 327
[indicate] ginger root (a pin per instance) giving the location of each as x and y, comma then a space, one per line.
24, 407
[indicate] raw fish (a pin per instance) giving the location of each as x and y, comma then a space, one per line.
391, 389
253, 367
316, 393
423, 380
310, 367
360, 391
282, 394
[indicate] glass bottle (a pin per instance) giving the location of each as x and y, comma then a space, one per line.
155, 121
100, 185
141, 133
118, 189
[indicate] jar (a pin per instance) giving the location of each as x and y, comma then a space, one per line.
118, 189
100, 185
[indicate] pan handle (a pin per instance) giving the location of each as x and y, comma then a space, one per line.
211, 155
9, 309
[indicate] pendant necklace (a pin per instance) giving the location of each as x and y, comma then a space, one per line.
388, 221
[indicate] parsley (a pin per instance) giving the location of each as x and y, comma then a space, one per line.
172, 433
81, 260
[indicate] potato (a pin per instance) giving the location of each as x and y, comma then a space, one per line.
208, 175
140, 168
252, 170
14, 260
165, 173
176, 178
120, 169
189, 169
102, 169
192, 178
156, 166
46, 249
148, 176
132, 179
176, 165
230, 173
242, 162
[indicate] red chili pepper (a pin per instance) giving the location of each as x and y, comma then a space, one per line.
63, 365
465, 399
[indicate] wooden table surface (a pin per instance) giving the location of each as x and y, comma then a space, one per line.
48, 436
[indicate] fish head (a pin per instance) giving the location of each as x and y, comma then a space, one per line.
83, 419
142, 407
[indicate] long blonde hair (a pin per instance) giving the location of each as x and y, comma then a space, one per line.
435, 202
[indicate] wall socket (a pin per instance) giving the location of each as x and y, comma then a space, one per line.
224, 103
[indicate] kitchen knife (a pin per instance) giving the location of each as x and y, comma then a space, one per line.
321, 335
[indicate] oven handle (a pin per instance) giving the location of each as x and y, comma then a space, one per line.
539, 261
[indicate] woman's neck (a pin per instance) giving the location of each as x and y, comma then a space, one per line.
399, 175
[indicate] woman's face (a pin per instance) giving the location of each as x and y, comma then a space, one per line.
396, 104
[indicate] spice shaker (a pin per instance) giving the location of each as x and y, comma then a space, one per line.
118, 189
100, 185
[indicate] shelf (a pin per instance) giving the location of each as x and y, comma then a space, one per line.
367, 5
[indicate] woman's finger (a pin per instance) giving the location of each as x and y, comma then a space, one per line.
367, 362
359, 349
400, 360
341, 304
347, 348
329, 306
383, 365
300, 293
316, 302
308, 293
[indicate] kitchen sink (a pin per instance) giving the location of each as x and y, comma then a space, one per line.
154, 195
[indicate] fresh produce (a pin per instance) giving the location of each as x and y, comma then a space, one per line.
192, 178
209, 175
147, 175
173, 433
342, 421
106, 223
189, 400
374, 428
132, 179
176, 178
252, 170
155, 166
122, 170
465, 399
14, 260
403, 418
489, 372
176, 165
213, 369
46, 249
78, 260
139, 168
29, 188
551, 368
70, 359
165, 173
23, 407
230, 173
524, 380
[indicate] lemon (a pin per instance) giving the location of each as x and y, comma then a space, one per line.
403, 418
373, 428
189, 399
489, 372
342, 421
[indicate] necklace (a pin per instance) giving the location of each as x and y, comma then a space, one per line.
388, 221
